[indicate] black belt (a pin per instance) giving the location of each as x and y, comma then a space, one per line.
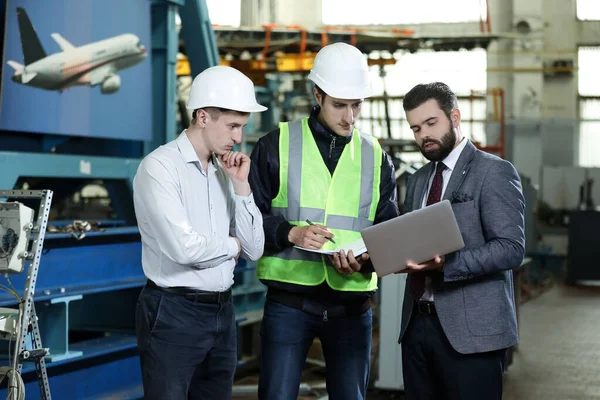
195, 295
425, 307
315, 308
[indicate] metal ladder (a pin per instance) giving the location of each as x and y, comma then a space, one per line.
28, 321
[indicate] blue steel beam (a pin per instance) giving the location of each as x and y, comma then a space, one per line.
2, 15
111, 370
164, 78
14, 165
86, 267
198, 36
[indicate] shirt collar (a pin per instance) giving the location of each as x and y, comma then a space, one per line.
452, 158
187, 150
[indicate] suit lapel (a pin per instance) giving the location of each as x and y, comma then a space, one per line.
421, 186
460, 170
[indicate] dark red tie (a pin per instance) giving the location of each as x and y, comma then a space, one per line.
417, 279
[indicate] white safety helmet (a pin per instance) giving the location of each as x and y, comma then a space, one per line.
341, 70
223, 87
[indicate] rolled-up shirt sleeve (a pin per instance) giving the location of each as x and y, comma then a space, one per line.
158, 202
246, 225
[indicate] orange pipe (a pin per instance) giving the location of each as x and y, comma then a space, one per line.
268, 29
324, 39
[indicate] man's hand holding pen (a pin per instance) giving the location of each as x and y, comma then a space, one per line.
328, 238
310, 236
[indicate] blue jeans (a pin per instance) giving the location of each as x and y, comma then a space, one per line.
188, 350
286, 336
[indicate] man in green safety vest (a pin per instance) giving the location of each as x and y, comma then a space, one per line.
318, 182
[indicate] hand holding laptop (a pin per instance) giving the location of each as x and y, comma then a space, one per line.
435, 264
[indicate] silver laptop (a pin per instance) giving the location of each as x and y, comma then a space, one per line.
417, 236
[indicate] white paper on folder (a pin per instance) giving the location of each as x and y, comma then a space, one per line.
358, 247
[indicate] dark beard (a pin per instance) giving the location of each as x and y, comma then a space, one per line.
445, 146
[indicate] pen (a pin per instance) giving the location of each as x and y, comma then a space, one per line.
331, 240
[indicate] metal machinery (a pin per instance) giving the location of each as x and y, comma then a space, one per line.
17, 230
278, 58
582, 239
90, 270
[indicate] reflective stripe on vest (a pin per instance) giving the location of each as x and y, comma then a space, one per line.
362, 160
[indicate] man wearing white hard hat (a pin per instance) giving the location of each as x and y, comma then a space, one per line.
196, 215
318, 181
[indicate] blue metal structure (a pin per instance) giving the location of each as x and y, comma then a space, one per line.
164, 81
87, 289
198, 35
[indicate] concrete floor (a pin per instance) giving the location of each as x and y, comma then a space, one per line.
559, 353
559, 350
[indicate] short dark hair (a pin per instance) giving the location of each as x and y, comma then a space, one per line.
321, 92
423, 92
215, 112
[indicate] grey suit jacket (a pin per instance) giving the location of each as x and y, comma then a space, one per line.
474, 295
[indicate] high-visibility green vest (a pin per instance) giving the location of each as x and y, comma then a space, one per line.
345, 202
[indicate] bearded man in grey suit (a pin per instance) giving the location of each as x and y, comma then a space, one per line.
459, 315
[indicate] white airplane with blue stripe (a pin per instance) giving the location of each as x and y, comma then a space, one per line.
94, 64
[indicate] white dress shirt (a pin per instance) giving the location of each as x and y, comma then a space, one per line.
186, 216
450, 163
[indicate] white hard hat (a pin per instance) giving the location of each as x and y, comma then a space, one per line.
341, 70
223, 87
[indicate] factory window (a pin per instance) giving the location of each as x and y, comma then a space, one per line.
224, 12
463, 71
221, 12
589, 107
588, 10
360, 12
